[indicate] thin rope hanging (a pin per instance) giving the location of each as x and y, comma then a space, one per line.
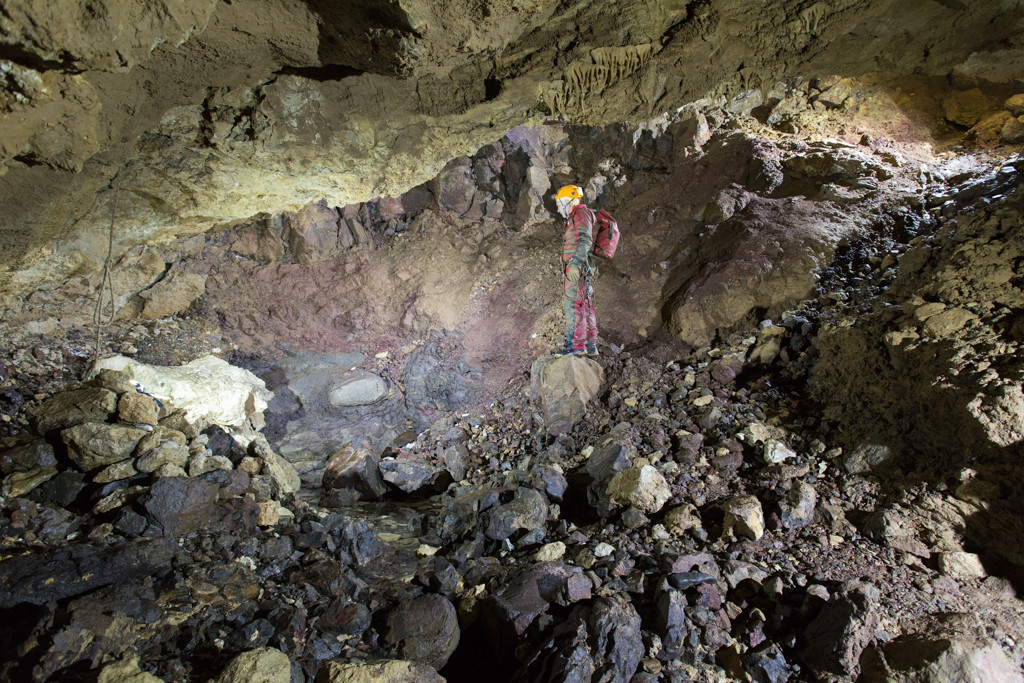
106, 282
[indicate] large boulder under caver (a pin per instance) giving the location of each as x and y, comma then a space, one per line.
564, 386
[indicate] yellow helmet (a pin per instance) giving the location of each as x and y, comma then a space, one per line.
569, 192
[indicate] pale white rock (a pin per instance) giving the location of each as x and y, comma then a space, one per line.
961, 566
644, 488
550, 552
776, 452
743, 517
208, 389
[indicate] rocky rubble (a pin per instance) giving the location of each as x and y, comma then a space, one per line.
752, 508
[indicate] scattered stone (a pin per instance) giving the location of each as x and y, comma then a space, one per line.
264, 665
776, 452
798, 506
681, 519
138, 409
357, 388
550, 552
382, 671
743, 517
644, 488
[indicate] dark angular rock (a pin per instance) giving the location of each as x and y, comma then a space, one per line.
70, 408
425, 629
347, 618
767, 665
130, 523
549, 480
461, 514
356, 469
64, 489
528, 511
42, 576
834, 641
600, 640
180, 505
412, 475
670, 622
33, 455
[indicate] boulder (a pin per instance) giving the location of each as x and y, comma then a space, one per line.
355, 469
180, 504
424, 629
93, 445
381, 671
137, 408
45, 575
743, 517
527, 511
966, 107
564, 386
600, 640
126, 671
414, 475
264, 665
644, 488
798, 506
70, 408
208, 389
357, 388
835, 639
274, 466
312, 232
944, 648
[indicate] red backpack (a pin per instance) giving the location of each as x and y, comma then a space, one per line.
606, 234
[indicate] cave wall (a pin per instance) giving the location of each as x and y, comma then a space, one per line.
173, 117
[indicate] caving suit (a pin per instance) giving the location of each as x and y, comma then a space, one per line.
578, 297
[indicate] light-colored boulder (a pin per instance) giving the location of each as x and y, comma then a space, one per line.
644, 488
127, 671
264, 665
744, 517
93, 445
208, 389
385, 671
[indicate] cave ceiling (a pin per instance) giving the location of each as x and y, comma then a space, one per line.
171, 117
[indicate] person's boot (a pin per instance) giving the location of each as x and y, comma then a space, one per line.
569, 351
592, 350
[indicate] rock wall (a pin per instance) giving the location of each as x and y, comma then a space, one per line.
208, 114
